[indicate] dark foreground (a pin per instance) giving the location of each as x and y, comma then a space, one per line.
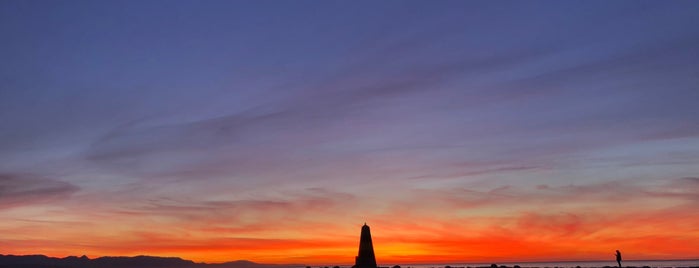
41, 261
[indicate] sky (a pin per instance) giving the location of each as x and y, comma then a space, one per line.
460, 131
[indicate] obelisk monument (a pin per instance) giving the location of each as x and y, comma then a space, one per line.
365, 258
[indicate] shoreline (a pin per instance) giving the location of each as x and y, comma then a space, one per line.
684, 263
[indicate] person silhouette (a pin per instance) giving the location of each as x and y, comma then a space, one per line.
618, 257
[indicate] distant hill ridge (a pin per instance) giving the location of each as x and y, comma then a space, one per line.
41, 261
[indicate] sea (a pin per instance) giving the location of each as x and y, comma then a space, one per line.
567, 264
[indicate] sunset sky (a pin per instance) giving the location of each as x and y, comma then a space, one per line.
460, 131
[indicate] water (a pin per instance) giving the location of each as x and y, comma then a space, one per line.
571, 264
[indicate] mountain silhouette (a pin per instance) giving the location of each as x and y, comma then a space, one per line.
41, 261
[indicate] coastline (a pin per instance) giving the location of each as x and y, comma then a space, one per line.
691, 263
686, 263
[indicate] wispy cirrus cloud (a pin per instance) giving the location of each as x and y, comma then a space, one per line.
22, 190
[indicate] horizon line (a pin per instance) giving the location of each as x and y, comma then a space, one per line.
346, 264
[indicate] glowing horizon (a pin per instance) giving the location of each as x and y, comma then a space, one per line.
471, 238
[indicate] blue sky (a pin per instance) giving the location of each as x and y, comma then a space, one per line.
128, 105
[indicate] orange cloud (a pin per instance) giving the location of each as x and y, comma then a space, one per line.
314, 227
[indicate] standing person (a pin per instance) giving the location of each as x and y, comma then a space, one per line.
618, 257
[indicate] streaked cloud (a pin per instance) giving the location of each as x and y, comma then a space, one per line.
24, 190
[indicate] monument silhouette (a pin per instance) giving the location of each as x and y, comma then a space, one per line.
365, 258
